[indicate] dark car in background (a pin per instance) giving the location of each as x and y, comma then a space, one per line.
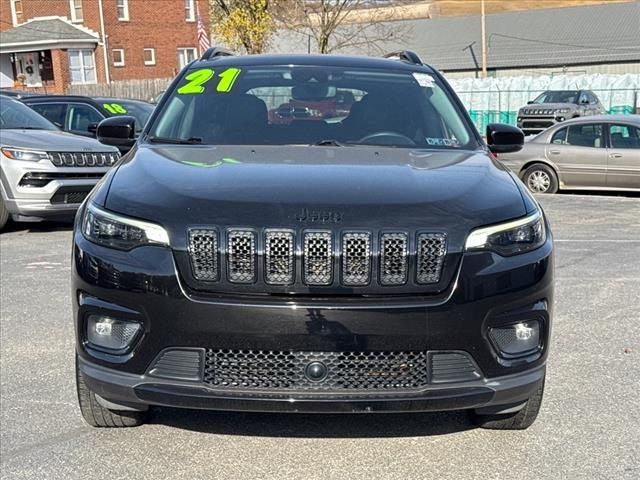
554, 106
375, 260
589, 153
80, 115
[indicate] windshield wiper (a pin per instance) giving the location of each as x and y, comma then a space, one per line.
177, 141
329, 143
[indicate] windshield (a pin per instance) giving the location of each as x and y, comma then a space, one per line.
14, 114
557, 97
307, 105
141, 111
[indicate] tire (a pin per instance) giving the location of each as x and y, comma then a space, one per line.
520, 420
4, 214
98, 416
540, 178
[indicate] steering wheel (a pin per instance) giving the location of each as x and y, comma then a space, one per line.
387, 138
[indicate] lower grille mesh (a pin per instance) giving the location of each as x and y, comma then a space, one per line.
264, 370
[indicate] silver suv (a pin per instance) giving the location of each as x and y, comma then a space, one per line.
44, 173
554, 106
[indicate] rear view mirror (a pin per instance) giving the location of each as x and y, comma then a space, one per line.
502, 138
118, 131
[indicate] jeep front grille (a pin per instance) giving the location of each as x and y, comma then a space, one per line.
241, 256
354, 259
83, 159
274, 370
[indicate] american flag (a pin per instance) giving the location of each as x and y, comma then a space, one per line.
203, 39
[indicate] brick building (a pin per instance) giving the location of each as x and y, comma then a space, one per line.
50, 44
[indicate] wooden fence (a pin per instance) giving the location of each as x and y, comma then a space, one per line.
147, 89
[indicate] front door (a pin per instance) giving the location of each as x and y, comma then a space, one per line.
624, 156
579, 155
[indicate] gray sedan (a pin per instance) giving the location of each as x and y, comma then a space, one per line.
589, 153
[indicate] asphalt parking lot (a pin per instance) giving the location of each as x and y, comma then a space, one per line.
589, 426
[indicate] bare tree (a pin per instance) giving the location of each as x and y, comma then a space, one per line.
344, 24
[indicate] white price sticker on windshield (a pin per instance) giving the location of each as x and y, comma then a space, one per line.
423, 79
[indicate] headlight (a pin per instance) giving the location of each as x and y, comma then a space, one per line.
115, 231
23, 154
510, 238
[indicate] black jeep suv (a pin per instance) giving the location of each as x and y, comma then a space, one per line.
377, 259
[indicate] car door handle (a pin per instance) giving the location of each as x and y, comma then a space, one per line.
554, 152
615, 155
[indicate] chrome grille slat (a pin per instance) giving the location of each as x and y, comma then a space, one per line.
394, 250
318, 258
279, 257
431, 249
356, 258
203, 251
83, 159
241, 253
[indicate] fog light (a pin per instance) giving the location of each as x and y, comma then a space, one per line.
111, 333
517, 338
561, 119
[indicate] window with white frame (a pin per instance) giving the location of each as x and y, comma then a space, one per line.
16, 12
186, 55
189, 10
82, 66
76, 11
149, 56
122, 8
118, 57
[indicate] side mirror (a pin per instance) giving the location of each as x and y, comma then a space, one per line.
118, 131
502, 138
530, 102
92, 128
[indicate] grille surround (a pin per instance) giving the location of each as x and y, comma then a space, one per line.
318, 259
264, 370
279, 257
356, 258
431, 249
394, 258
241, 255
203, 253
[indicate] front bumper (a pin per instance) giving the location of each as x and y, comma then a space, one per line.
133, 391
59, 198
143, 285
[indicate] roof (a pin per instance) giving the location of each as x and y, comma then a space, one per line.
45, 31
536, 38
354, 61
635, 119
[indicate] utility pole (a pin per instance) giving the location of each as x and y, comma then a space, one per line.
484, 40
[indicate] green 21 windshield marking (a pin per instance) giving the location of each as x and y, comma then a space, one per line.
197, 80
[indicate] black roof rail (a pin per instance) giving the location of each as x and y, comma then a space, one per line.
405, 56
214, 52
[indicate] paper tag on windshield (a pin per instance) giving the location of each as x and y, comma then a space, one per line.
423, 79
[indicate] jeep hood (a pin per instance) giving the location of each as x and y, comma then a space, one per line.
550, 106
51, 141
313, 187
